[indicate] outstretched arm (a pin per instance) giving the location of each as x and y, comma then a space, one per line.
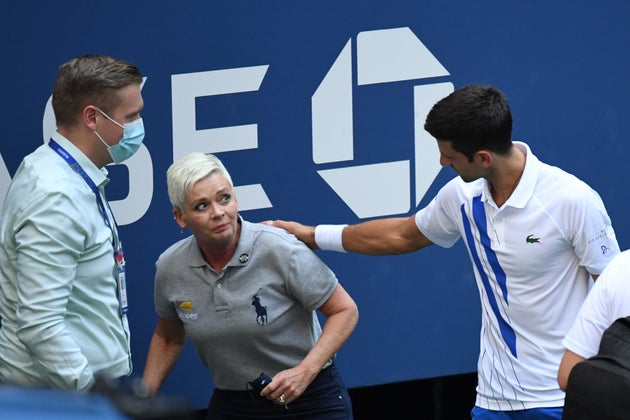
390, 236
166, 346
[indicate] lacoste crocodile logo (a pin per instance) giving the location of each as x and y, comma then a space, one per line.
531, 240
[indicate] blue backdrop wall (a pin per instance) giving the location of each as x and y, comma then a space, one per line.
316, 108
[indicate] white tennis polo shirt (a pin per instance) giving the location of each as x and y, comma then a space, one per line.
531, 260
608, 300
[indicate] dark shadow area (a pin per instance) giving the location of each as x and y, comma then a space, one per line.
444, 398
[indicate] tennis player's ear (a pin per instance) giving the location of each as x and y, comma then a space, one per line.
485, 157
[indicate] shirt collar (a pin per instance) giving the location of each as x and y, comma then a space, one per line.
96, 174
525, 188
242, 254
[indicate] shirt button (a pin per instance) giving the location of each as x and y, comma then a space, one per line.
219, 285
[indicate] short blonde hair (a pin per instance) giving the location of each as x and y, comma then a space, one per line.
185, 172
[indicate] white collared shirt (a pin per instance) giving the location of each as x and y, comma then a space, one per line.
531, 258
608, 300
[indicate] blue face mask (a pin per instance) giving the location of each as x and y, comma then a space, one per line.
133, 134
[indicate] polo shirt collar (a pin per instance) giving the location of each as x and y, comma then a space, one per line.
245, 246
525, 187
195, 255
241, 256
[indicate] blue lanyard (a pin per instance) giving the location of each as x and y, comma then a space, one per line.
119, 256
78, 169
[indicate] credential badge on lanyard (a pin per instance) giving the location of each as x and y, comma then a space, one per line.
119, 255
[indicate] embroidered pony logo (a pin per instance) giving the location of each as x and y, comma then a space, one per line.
261, 311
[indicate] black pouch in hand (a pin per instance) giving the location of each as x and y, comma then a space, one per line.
259, 383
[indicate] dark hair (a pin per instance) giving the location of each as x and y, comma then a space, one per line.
90, 79
473, 118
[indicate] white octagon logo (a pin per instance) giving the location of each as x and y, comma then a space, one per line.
383, 56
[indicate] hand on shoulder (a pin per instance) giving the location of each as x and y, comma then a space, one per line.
304, 233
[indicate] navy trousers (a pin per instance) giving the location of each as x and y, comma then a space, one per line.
326, 398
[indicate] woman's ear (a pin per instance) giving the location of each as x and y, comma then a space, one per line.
177, 215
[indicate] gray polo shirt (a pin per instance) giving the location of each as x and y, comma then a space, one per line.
258, 315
